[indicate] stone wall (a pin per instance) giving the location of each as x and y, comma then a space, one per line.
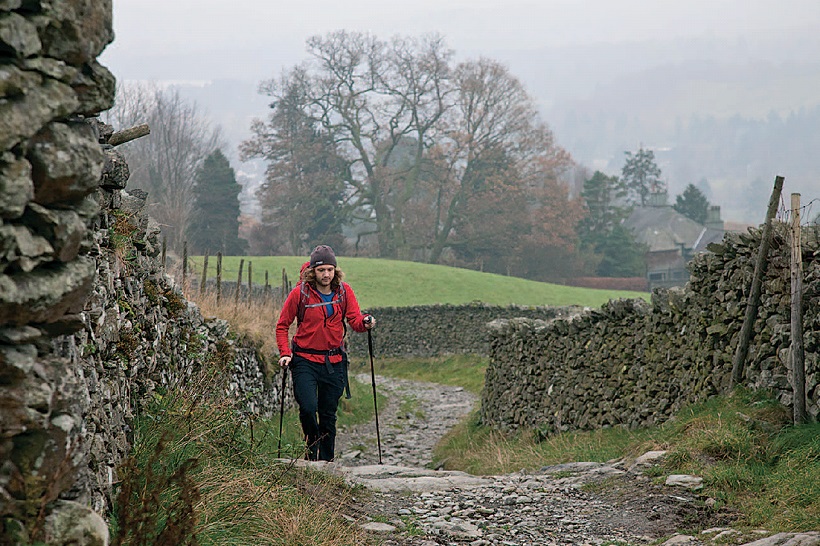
432, 330
90, 325
634, 363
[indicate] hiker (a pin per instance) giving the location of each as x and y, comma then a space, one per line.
318, 363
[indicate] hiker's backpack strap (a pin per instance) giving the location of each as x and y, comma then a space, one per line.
303, 299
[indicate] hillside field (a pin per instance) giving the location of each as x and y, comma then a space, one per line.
393, 283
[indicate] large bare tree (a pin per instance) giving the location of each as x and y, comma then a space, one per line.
165, 163
430, 147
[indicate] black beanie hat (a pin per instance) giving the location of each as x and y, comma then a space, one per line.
322, 255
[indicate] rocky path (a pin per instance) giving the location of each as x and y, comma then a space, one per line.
578, 503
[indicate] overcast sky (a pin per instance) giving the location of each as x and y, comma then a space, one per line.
219, 38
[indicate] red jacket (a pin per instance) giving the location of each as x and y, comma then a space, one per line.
318, 331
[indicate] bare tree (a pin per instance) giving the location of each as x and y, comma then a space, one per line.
436, 155
165, 163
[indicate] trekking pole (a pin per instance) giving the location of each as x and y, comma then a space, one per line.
282, 409
373, 381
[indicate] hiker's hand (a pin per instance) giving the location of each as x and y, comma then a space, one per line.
369, 321
285, 361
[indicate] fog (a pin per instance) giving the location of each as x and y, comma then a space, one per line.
608, 76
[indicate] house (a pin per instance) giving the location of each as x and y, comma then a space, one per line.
672, 239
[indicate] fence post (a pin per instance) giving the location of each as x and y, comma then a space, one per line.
757, 282
218, 277
185, 266
266, 291
204, 274
796, 354
238, 282
164, 248
250, 283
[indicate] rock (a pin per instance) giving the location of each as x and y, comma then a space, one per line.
23, 116
71, 523
44, 295
648, 459
95, 87
77, 31
680, 539
378, 527
685, 480
18, 36
811, 538
16, 186
63, 228
23, 250
115, 175
66, 163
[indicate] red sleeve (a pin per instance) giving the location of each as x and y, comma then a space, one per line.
286, 317
354, 315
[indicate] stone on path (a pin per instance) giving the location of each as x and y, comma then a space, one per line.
402, 478
685, 480
378, 527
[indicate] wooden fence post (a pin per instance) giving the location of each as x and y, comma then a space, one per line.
266, 291
238, 282
218, 277
757, 282
184, 266
250, 283
204, 275
796, 354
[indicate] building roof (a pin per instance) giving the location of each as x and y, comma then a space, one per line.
663, 228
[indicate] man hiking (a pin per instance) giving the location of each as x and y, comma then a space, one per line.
319, 303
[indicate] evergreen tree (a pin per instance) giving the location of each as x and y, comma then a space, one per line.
303, 197
603, 195
215, 226
641, 175
692, 203
622, 255
602, 231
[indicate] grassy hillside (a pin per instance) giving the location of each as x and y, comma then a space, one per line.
392, 283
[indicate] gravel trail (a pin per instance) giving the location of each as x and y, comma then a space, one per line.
412, 504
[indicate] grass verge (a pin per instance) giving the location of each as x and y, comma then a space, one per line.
203, 473
455, 370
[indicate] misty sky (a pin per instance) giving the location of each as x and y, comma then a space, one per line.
242, 38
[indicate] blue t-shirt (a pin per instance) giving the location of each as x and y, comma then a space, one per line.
328, 298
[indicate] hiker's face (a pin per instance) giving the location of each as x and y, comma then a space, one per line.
325, 274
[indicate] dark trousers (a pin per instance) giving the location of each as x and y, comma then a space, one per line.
317, 391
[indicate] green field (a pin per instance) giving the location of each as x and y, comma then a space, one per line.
393, 283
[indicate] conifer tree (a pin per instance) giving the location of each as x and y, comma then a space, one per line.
215, 226
602, 230
692, 203
641, 175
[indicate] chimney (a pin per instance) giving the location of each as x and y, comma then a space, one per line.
713, 220
657, 199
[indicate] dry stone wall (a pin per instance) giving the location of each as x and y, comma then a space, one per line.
634, 363
90, 325
431, 330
